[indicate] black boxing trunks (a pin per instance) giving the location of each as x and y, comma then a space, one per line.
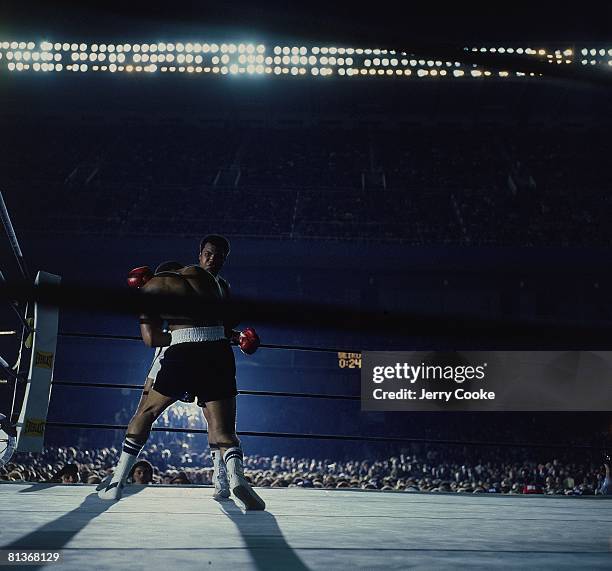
194, 368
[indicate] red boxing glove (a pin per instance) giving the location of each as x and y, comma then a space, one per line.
248, 340
139, 276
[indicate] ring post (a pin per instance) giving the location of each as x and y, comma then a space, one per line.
33, 416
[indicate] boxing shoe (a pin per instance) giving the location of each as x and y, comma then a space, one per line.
238, 483
105, 482
112, 492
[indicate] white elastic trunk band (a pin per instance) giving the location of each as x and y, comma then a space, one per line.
197, 334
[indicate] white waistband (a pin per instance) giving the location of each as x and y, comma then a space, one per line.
197, 334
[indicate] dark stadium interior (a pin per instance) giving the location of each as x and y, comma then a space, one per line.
439, 197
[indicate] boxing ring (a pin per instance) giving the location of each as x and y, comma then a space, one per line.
182, 526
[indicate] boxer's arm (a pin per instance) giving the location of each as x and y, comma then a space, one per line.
151, 325
231, 321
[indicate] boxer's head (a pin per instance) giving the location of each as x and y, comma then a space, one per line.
213, 251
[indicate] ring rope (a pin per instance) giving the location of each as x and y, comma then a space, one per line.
119, 301
298, 435
78, 335
241, 392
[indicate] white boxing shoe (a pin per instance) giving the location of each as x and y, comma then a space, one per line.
112, 492
238, 483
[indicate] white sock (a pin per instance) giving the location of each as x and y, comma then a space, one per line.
128, 458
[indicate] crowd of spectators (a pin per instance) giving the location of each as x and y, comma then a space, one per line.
433, 471
423, 185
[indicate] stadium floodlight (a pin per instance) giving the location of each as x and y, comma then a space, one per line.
277, 50
476, 73
83, 67
58, 67
180, 47
519, 50
112, 68
422, 72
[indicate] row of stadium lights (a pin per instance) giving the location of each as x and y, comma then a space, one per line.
277, 70
251, 59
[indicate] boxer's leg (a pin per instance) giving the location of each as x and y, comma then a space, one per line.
136, 436
222, 431
143, 399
